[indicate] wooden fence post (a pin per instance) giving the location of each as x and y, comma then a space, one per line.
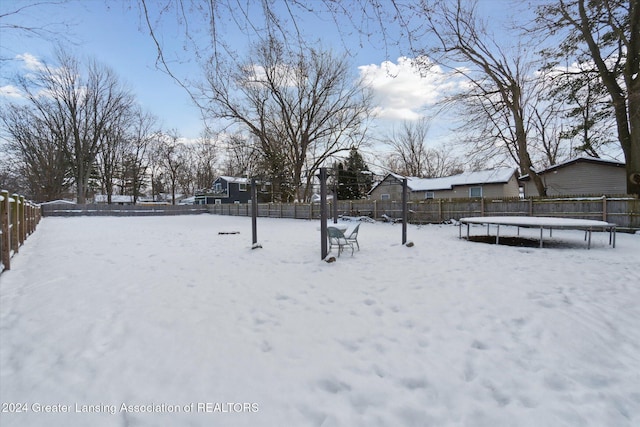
15, 243
5, 219
604, 208
21, 221
27, 219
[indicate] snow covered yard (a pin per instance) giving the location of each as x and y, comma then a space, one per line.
147, 321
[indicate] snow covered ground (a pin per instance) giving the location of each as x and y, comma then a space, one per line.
148, 321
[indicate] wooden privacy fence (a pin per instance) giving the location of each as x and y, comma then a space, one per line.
622, 211
18, 218
70, 209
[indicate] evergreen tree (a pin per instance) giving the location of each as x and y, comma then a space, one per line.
354, 179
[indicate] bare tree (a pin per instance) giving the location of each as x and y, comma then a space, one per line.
547, 127
35, 147
206, 159
170, 155
109, 158
302, 108
409, 150
80, 106
411, 156
606, 34
16, 21
241, 155
497, 76
582, 104
135, 163
12, 175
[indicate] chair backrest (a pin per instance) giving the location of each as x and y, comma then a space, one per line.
335, 233
354, 233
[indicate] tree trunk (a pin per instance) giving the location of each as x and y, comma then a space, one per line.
632, 149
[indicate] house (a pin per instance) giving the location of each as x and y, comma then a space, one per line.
497, 183
59, 202
226, 189
580, 176
188, 201
231, 189
116, 199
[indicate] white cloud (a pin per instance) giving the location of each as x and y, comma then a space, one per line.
30, 61
10, 91
404, 88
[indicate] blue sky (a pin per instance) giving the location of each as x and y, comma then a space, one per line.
113, 32
112, 36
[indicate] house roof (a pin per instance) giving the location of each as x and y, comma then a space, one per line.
237, 179
492, 176
580, 159
58, 202
115, 198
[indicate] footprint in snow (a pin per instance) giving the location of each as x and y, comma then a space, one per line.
497, 394
265, 347
469, 372
478, 345
333, 386
349, 345
414, 383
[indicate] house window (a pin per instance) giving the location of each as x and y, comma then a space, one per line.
385, 197
236, 202
475, 192
242, 186
217, 187
218, 201
429, 195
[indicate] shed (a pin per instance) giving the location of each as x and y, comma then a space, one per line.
580, 176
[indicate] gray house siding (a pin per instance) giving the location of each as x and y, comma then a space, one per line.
390, 186
509, 189
393, 187
581, 177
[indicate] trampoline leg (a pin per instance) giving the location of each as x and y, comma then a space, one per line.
541, 236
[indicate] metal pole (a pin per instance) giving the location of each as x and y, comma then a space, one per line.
254, 212
335, 204
323, 212
405, 215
